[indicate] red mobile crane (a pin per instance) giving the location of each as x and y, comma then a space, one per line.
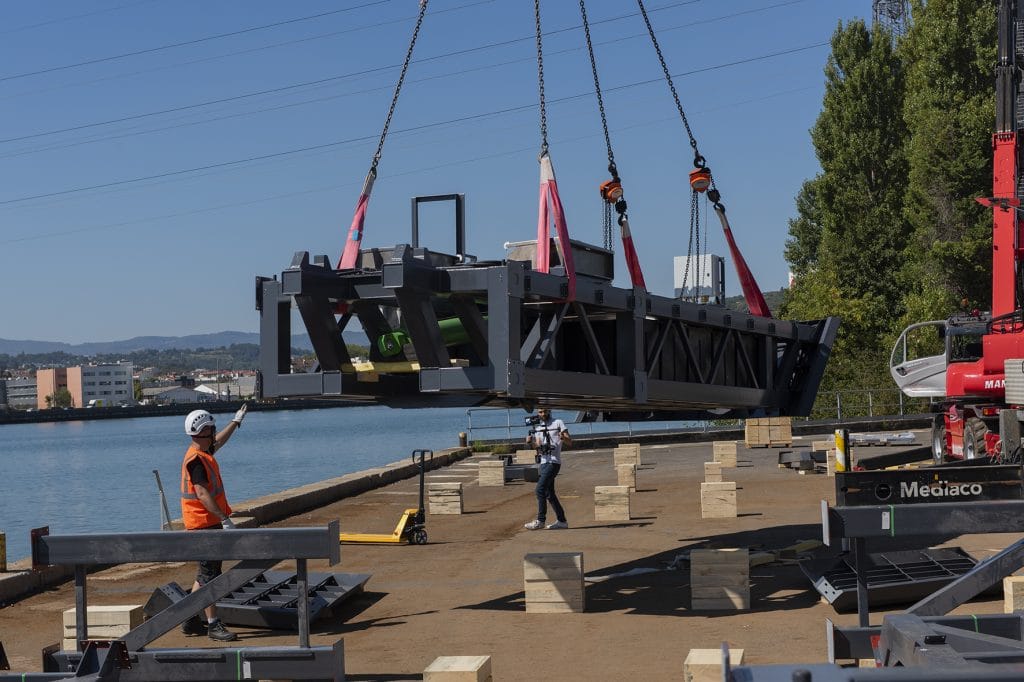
976, 415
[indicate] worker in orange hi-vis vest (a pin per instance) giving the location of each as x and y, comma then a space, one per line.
204, 505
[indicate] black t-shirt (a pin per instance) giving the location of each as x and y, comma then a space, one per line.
197, 473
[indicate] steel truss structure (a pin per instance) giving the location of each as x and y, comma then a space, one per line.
501, 333
127, 659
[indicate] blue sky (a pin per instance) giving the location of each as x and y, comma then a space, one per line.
97, 95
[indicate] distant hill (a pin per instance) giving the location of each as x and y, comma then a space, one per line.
138, 343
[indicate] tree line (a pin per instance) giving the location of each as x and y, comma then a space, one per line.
888, 233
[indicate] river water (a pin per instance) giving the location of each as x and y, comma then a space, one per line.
97, 476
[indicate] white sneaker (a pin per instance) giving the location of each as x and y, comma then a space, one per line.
557, 525
533, 525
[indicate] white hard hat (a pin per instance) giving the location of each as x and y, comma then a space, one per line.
196, 421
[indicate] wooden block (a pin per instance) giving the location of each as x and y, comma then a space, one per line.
100, 631
626, 475
724, 452
127, 614
526, 457
553, 566
568, 590
445, 498
492, 472
553, 582
718, 500
611, 503
705, 665
459, 669
736, 581
723, 447
1013, 593
822, 445
69, 644
622, 456
712, 472
730, 556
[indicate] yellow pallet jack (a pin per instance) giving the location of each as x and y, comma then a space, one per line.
412, 525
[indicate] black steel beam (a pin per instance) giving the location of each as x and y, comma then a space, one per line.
931, 519
972, 583
749, 364
849, 643
322, 663
255, 543
207, 595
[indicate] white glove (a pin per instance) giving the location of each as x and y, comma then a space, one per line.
227, 524
240, 415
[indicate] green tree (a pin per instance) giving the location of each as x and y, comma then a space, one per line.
849, 230
950, 51
60, 398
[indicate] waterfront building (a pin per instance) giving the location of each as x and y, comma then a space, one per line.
107, 384
49, 382
104, 384
21, 393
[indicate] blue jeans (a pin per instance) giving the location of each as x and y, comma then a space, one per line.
546, 493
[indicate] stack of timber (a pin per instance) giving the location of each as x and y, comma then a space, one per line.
712, 472
492, 472
705, 665
625, 474
1013, 593
459, 669
611, 503
526, 457
724, 452
774, 432
102, 622
553, 582
445, 498
718, 500
720, 579
627, 453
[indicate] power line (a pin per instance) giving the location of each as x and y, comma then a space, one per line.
417, 128
250, 50
364, 72
60, 20
195, 41
326, 188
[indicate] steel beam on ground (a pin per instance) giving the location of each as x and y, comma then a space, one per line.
321, 663
972, 583
193, 545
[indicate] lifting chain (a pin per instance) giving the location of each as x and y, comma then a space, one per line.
540, 83
398, 88
611, 190
700, 178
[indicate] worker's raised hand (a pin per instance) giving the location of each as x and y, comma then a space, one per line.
228, 524
240, 415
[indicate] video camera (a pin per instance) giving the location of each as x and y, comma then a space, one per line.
533, 420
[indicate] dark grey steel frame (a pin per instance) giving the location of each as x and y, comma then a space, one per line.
923, 635
610, 348
257, 549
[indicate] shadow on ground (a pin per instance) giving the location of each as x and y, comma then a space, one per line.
661, 586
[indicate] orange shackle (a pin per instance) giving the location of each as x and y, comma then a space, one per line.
611, 191
700, 179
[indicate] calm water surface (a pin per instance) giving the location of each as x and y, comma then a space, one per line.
97, 476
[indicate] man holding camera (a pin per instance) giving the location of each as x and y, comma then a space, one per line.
547, 436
